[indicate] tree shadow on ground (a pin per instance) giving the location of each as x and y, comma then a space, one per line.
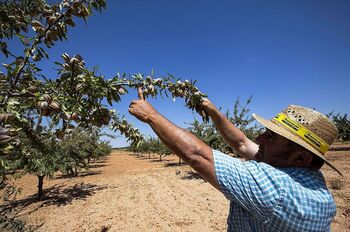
89, 173
191, 175
144, 157
58, 195
62, 196
168, 163
97, 165
101, 160
157, 161
175, 164
136, 154
81, 174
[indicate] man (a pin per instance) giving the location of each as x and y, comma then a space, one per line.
280, 187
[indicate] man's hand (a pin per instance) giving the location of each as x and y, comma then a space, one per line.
208, 106
141, 109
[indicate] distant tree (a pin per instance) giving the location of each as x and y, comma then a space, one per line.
343, 125
243, 120
75, 154
151, 145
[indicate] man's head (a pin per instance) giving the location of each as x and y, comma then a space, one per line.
297, 137
279, 151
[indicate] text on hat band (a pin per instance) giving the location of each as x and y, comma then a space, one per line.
303, 132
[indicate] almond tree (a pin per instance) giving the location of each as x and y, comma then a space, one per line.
151, 145
30, 102
75, 154
143, 147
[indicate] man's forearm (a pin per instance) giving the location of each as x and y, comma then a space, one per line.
231, 134
180, 141
187, 146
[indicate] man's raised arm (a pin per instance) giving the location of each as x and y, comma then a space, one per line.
231, 134
184, 144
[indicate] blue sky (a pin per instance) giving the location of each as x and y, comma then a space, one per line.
281, 52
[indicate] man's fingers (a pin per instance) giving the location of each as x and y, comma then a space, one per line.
133, 102
140, 93
205, 101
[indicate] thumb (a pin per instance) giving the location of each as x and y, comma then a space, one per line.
140, 93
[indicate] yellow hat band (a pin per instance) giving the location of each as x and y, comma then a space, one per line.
303, 132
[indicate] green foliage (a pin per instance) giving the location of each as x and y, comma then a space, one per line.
76, 153
241, 119
343, 125
151, 146
41, 116
24, 92
37, 112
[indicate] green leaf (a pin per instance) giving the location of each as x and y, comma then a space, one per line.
109, 98
116, 96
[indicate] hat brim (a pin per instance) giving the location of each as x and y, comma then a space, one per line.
273, 126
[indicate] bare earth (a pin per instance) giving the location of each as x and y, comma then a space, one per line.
127, 192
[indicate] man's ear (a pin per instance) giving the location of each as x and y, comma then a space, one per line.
302, 158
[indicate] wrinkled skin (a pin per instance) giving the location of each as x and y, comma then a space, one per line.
141, 109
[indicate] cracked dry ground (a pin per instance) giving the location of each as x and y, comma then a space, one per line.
128, 192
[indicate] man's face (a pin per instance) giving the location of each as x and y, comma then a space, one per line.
273, 149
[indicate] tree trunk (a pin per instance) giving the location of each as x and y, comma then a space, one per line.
75, 171
160, 157
179, 161
149, 155
40, 186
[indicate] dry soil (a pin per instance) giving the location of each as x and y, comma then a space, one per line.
128, 192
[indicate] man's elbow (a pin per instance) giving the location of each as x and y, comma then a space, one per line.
248, 149
203, 163
200, 156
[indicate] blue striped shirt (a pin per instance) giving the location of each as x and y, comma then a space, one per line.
265, 198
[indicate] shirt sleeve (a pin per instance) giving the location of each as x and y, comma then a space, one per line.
248, 183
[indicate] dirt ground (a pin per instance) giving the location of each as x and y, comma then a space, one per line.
127, 192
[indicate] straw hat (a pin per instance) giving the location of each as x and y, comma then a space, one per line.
306, 127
